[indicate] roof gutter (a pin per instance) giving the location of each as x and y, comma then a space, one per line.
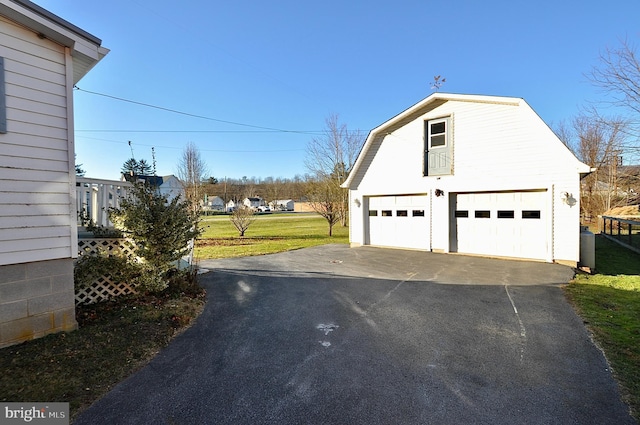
44, 13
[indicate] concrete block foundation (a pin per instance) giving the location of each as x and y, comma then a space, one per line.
36, 299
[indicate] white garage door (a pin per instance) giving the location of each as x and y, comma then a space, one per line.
508, 224
399, 221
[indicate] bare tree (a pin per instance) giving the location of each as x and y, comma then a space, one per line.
602, 142
564, 133
192, 172
242, 217
272, 190
597, 143
618, 75
330, 158
325, 197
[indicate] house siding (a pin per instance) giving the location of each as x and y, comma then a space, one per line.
34, 162
38, 231
497, 147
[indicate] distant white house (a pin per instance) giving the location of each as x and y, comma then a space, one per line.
282, 205
169, 186
470, 174
42, 56
253, 202
216, 203
232, 205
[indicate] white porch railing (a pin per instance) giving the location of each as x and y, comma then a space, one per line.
96, 196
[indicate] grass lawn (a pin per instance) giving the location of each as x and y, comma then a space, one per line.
114, 339
609, 303
268, 234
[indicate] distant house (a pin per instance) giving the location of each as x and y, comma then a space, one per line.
216, 203
282, 205
170, 185
253, 202
232, 205
480, 175
42, 56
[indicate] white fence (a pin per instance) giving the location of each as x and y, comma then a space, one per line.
96, 196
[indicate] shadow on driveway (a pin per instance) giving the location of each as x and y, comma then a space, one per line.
332, 335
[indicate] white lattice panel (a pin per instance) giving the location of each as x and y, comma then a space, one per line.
107, 246
104, 288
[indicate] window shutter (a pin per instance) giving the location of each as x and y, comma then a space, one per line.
3, 99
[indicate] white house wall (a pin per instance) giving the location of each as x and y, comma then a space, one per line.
496, 147
43, 56
34, 161
172, 187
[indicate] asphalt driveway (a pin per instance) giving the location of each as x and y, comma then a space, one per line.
333, 335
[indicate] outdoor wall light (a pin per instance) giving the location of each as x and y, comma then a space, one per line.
568, 199
357, 202
439, 192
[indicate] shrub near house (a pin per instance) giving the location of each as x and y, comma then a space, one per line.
162, 232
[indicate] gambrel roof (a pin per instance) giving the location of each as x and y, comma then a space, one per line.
376, 136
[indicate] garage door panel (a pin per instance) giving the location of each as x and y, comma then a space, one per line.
399, 221
509, 224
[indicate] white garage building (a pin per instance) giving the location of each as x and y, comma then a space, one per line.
480, 175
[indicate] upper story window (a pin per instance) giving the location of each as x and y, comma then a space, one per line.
437, 133
438, 152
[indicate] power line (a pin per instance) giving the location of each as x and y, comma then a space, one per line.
202, 150
162, 108
317, 132
261, 129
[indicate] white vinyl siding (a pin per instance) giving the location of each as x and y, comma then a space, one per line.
497, 145
34, 161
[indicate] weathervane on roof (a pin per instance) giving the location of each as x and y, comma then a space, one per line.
438, 81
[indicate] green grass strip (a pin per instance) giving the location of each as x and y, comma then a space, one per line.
269, 234
609, 303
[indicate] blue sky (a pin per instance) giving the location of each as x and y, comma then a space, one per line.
287, 65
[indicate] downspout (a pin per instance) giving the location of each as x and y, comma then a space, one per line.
430, 219
553, 224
